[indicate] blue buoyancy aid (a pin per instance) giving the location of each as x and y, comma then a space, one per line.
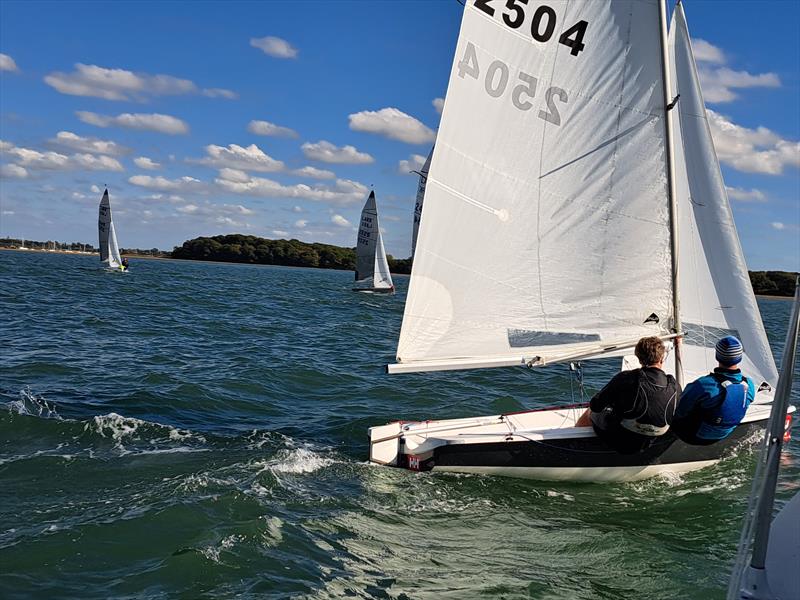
719, 421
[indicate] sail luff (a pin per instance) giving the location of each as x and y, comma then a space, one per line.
671, 187
717, 297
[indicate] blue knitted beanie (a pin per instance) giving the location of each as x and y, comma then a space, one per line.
729, 350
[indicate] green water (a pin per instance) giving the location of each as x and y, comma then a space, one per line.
194, 430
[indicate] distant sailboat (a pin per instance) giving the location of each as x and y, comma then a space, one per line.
423, 180
109, 249
556, 209
372, 268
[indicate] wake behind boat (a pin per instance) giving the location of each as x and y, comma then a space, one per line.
372, 266
109, 248
555, 227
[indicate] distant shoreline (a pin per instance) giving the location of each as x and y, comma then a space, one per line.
223, 262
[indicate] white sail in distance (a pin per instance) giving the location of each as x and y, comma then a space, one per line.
716, 294
423, 180
109, 249
372, 267
546, 229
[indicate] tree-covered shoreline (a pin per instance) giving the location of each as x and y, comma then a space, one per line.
251, 249
294, 253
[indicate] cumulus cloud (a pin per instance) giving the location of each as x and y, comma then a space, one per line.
745, 195
220, 93
121, 84
234, 175
438, 104
211, 209
13, 172
343, 191
719, 81
414, 163
300, 223
251, 158
67, 139
55, 161
146, 163
340, 221
718, 84
393, 124
94, 189
274, 46
326, 152
181, 184
297, 209
314, 173
706, 52
270, 129
751, 150
7, 64
148, 122
778, 225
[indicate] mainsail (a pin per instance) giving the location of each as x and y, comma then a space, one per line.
547, 227
716, 295
372, 267
109, 250
423, 180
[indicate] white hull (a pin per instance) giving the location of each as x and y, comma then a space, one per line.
545, 445
584, 474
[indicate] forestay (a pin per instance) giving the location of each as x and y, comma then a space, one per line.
546, 228
423, 180
109, 249
716, 295
372, 267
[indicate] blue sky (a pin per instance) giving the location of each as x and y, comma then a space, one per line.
159, 100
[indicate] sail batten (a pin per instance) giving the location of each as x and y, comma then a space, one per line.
546, 199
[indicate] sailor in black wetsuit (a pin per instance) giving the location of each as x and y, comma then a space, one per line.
636, 406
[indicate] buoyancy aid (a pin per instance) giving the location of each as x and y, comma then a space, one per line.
720, 420
654, 407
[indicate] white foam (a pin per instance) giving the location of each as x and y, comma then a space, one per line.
115, 426
297, 460
555, 494
119, 428
212, 552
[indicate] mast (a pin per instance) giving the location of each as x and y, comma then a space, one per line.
669, 104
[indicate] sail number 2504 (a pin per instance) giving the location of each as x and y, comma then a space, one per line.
495, 81
542, 25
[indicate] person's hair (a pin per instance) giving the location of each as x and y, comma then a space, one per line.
650, 351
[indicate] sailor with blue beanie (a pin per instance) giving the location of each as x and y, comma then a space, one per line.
711, 407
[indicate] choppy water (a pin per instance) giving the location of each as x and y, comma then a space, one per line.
199, 431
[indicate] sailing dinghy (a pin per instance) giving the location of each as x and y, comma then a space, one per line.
109, 249
372, 267
423, 180
569, 189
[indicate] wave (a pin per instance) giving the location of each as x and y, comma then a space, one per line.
33, 405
